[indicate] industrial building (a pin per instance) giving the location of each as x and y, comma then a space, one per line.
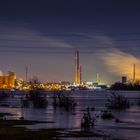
7, 81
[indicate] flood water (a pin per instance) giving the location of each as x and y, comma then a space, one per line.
129, 128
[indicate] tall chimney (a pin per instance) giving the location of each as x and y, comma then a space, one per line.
26, 74
97, 78
134, 72
80, 75
76, 71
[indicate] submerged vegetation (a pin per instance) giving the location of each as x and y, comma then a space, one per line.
138, 100
62, 100
106, 114
38, 100
3, 95
117, 101
34, 96
87, 120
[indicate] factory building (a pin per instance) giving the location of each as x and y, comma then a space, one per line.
7, 81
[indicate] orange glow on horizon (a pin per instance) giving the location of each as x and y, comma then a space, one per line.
121, 63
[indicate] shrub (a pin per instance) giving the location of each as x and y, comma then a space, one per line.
117, 101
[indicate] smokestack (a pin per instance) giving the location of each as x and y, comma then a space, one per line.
26, 77
80, 75
76, 71
97, 78
75, 65
134, 72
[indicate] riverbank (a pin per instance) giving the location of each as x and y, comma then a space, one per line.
16, 130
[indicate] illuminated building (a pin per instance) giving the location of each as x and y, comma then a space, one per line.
8, 81
53, 86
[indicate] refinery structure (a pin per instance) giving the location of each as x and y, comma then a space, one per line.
8, 81
77, 69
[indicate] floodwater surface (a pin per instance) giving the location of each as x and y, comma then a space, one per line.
128, 128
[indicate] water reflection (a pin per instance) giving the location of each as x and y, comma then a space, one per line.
71, 120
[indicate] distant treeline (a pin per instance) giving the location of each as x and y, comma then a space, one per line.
121, 86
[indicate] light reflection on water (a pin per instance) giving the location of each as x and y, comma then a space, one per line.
71, 120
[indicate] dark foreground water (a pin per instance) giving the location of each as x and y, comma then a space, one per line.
129, 128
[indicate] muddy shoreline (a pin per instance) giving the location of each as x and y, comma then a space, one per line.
16, 130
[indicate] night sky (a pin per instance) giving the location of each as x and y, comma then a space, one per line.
43, 34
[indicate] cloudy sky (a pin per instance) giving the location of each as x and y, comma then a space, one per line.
43, 34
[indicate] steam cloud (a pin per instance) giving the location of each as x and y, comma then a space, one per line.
121, 63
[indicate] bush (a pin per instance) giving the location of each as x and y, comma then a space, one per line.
37, 99
117, 101
64, 101
107, 115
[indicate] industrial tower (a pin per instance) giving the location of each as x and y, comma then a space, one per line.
134, 76
77, 69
